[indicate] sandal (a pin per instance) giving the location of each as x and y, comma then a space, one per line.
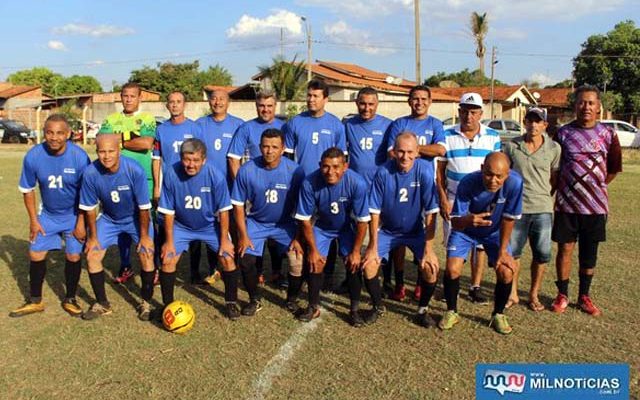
536, 306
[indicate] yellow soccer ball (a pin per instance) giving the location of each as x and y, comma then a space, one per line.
178, 317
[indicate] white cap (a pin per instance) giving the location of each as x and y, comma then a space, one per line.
471, 99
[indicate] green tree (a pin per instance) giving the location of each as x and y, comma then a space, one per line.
479, 26
463, 78
288, 78
38, 76
77, 84
567, 83
610, 62
185, 77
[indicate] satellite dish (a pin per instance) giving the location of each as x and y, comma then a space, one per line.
536, 95
397, 81
389, 79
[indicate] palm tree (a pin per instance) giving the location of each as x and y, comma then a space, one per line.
288, 78
479, 25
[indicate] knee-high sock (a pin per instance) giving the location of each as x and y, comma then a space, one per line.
72, 270
451, 290
167, 283
373, 287
250, 276
230, 279
97, 283
37, 271
354, 281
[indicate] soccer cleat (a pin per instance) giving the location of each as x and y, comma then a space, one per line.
96, 311
399, 294
417, 292
501, 324
560, 304
144, 311
372, 316
233, 312
26, 309
475, 293
425, 320
124, 275
586, 305
449, 319
213, 278
72, 307
308, 314
355, 319
293, 307
252, 308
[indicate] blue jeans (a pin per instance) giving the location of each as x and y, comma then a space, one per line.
537, 228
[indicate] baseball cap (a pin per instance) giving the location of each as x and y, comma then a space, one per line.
538, 112
471, 100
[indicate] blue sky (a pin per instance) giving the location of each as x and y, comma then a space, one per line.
107, 39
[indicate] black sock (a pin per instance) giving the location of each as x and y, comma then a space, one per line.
146, 290
585, 284
563, 286
451, 290
250, 276
330, 265
295, 283
167, 282
426, 292
37, 271
501, 296
194, 259
212, 260
354, 282
315, 283
386, 272
97, 283
399, 275
373, 287
259, 264
72, 270
276, 258
230, 279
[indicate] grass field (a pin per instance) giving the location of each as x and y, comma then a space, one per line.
272, 356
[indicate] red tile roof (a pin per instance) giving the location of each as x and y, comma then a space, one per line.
556, 97
500, 93
16, 90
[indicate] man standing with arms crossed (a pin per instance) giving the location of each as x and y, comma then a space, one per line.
591, 159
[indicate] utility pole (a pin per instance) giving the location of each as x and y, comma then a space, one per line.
308, 29
416, 16
493, 67
282, 43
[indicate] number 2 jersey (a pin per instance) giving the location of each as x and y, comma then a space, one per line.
121, 193
59, 177
194, 200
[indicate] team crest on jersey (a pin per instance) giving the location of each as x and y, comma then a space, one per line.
326, 131
187, 136
414, 184
205, 189
343, 199
501, 200
428, 132
227, 135
69, 171
377, 132
123, 188
282, 186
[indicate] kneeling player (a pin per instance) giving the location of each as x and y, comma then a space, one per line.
270, 183
193, 193
485, 209
333, 194
120, 185
403, 190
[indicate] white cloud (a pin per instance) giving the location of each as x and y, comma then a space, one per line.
508, 33
57, 45
542, 79
361, 8
251, 27
341, 33
92, 30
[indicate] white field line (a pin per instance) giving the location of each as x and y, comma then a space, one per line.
278, 363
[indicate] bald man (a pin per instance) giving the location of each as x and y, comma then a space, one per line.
484, 211
119, 185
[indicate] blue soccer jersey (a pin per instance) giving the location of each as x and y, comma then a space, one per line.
121, 193
59, 177
401, 198
473, 198
365, 141
308, 137
217, 136
169, 138
429, 131
194, 200
247, 138
333, 205
271, 192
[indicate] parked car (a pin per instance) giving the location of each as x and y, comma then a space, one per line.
628, 135
13, 131
77, 135
507, 128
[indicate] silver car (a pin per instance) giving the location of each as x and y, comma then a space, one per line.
628, 135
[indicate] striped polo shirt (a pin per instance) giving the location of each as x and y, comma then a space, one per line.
464, 156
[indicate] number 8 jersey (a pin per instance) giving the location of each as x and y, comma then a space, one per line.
121, 193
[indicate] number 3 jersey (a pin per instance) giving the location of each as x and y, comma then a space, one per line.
121, 193
58, 177
402, 198
271, 192
194, 200
334, 205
